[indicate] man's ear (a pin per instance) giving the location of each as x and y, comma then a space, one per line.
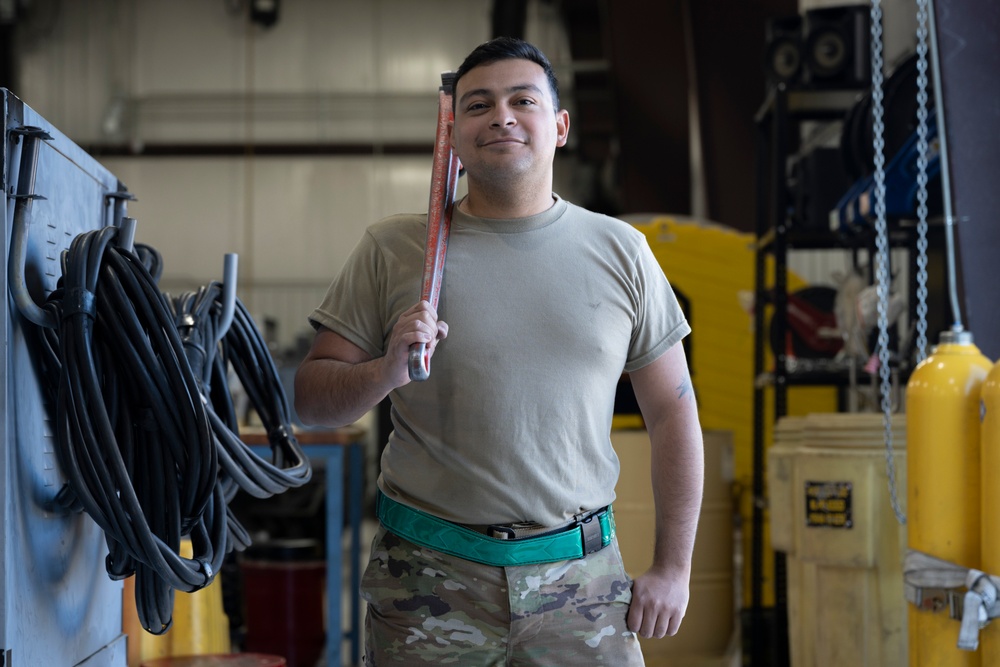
562, 127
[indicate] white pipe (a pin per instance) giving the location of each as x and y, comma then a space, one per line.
949, 218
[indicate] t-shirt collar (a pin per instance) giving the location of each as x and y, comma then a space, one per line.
511, 225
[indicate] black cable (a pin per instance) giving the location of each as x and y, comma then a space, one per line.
151, 259
127, 310
136, 381
243, 347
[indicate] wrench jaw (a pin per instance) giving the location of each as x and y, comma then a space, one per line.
419, 362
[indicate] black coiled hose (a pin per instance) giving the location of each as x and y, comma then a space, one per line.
243, 348
137, 382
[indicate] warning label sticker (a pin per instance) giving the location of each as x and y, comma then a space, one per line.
828, 504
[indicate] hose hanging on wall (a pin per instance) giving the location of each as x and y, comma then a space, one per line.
242, 347
138, 382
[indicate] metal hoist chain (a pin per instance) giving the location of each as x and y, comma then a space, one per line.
881, 231
882, 251
922, 151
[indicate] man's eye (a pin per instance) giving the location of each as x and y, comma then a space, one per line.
525, 102
477, 106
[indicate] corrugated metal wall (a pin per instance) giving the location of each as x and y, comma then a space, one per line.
122, 75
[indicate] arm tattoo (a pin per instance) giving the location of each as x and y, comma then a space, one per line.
685, 389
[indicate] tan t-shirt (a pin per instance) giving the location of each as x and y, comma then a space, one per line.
544, 314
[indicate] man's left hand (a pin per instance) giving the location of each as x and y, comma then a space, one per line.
659, 600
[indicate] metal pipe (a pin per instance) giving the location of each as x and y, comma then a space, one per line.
949, 219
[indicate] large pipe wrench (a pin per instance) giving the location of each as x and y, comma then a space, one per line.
444, 184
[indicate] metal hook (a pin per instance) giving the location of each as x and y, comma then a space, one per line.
19, 235
228, 293
126, 234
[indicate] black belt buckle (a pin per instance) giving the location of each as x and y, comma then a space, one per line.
500, 532
518, 531
593, 538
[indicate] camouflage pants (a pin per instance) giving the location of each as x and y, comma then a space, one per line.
428, 607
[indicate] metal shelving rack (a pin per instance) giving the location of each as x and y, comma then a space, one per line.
783, 111
777, 121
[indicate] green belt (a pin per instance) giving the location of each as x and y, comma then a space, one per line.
585, 537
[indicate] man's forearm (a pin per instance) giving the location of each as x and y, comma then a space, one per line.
660, 595
678, 471
336, 393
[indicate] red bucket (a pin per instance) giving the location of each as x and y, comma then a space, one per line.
284, 582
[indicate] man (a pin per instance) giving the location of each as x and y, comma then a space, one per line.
496, 545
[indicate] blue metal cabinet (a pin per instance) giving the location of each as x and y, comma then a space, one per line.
57, 604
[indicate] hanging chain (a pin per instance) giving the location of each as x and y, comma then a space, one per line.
922, 150
882, 252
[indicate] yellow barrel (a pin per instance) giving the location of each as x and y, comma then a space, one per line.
990, 451
200, 625
852, 610
943, 495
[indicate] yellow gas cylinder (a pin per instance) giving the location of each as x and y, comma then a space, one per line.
943, 483
989, 637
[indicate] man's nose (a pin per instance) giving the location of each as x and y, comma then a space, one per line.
503, 117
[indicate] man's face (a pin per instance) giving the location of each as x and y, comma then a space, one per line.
505, 124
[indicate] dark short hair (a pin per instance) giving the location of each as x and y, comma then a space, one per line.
509, 48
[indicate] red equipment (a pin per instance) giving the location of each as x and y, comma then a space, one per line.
444, 183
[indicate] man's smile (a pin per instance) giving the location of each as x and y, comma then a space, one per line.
503, 141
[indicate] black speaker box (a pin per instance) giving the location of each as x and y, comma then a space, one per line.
783, 50
836, 47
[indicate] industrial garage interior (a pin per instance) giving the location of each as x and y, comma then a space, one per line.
816, 178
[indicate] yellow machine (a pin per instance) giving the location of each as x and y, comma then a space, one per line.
943, 492
989, 637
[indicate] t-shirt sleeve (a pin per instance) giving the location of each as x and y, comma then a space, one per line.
660, 323
354, 302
